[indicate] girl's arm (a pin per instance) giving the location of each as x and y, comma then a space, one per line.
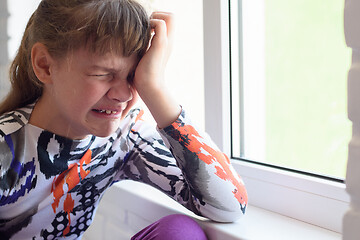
186, 165
201, 178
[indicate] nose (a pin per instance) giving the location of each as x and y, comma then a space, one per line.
120, 91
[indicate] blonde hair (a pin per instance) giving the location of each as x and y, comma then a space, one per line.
119, 26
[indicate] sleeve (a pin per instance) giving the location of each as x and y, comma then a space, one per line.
186, 165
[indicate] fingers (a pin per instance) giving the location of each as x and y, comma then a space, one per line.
167, 18
162, 24
159, 31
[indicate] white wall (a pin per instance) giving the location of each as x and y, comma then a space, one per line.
17, 21
16, 18
3, 47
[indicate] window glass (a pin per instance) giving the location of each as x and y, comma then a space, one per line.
289, 78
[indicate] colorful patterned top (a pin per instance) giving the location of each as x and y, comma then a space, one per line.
50, 186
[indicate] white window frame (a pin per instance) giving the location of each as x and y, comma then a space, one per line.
310, 199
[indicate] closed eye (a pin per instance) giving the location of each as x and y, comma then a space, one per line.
99, 75
105, 76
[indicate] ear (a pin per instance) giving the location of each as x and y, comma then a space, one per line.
42, 62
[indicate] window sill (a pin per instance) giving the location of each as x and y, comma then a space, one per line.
134, 199
308, 199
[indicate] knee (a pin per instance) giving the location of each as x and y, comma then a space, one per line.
172, 227
178, 227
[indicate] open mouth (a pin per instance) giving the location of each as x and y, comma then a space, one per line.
108, 112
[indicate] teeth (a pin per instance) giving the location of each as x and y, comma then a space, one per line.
107, 111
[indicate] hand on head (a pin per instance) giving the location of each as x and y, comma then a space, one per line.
150, 70
149, 74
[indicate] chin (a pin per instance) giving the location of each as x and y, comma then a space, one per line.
103, 132
105, 129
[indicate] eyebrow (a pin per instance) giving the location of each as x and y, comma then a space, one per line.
108, 69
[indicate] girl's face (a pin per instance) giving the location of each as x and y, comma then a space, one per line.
88, 94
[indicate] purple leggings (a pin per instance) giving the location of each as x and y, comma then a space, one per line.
172, 227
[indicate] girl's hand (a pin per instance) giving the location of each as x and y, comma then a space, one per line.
150, 70
149, 74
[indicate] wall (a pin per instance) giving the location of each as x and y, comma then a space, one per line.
4, 59
13, 20
351, 223
120, 211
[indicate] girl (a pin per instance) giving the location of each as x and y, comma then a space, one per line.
68, 130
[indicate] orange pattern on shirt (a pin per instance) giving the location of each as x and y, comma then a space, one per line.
211, 156
71, 177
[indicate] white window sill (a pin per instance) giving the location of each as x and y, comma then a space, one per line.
131, 199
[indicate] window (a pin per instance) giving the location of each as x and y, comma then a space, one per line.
314, 200
289, 77
319, 201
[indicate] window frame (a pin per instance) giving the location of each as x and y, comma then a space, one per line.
318, 201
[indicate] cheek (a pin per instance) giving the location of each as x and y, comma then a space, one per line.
131, 103
90, 96
82, 97
88, 90
135, 94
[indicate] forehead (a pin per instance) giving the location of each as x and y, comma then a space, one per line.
85, 58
